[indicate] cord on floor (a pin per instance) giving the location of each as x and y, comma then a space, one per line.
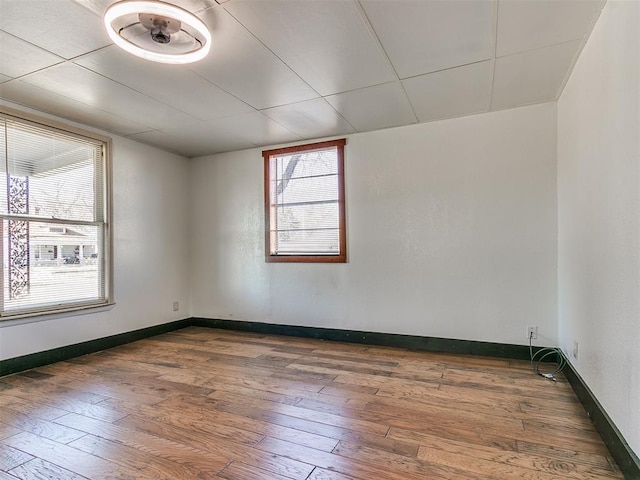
543, 353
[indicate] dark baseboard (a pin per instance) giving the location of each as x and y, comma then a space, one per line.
411, 342
626, 459
26, 362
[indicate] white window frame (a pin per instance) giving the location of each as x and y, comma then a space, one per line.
107, 256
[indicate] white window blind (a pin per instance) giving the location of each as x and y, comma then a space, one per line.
305, 202
53, 206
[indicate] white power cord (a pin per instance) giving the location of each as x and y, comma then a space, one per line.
543, 353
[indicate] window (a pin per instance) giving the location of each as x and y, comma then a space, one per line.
304, 203
54, 217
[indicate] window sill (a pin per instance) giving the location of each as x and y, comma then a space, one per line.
306, 258
33, 317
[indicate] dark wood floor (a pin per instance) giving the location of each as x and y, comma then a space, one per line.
209, 404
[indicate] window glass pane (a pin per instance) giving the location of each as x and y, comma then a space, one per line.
50, 264
67, 193
314, 189
322, 162
318, 242
61, 171
307, 217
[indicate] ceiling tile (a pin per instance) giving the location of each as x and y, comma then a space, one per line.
22, 93
255, 128
534, 76
528, 24
373, 108
174, 85
427, 36
238, 132
327, 43
18, 57
310, 119
80, 84
451, 93
242, 66
62, 27
199, 140
4, 78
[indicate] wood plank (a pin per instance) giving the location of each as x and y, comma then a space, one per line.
147, 464
399, 469
226, 391
42, 428
482, 438
70, 458
69, 405
323, 474
158, 447
233, 426
38, 469
12, 457
216, 428
600, 461
418, 419
30, 407
525, 386
277, 464
7, 430
241, 471
531, 464
501, 466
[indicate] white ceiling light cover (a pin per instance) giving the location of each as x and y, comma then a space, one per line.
157, 31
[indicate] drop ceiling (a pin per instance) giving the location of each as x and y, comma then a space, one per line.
284, 71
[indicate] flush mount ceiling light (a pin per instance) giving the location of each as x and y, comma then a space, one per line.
158, 31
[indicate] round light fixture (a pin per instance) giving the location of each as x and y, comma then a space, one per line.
158, 31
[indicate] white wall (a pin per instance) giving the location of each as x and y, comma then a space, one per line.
451, 233
150, 240
599, 220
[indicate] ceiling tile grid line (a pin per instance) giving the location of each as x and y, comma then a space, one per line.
267, 47
283, 70
363, 13
19, 53
78, 83
285, 63
375, 37
82, 63
328, 44
266, 110
246, 68
73, 110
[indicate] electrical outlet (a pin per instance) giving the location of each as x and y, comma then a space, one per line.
176, 306
575, 349
532, 332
